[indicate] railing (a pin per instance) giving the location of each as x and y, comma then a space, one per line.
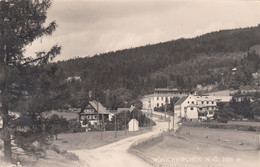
133, 149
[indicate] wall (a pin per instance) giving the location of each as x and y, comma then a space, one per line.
192, 114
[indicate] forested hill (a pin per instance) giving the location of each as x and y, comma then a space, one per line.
182, 63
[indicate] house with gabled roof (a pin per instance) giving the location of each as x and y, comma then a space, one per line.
195, 107
94, 113
179, 107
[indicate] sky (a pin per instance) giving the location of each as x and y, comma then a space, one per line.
90, 27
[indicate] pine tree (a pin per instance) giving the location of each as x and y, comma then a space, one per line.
21, 22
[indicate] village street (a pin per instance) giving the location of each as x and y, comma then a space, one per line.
115, 154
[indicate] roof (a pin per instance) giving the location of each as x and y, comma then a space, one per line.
113, 111
181, 100
123, 109
99, 107
200, 106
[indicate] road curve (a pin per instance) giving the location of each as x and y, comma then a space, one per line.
115, 154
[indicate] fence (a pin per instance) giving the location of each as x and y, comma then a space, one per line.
119, 123
133, 149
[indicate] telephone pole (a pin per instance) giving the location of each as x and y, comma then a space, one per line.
125, 122
99, 122
115, 126
173, 120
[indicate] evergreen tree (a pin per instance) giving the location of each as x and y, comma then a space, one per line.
21, 22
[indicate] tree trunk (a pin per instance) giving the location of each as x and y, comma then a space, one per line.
6, 133
7, 146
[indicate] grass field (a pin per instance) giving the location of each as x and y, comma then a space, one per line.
74, 141
91, 140
235, 125
196, 147
65, 114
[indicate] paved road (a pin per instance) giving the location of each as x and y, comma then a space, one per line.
115, 154
161, 115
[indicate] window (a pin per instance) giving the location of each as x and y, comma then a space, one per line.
157, 104
202, 102
207, 102
212, 102
191, 108
188, 102
162, 104
192, 102
157, 97
202, 114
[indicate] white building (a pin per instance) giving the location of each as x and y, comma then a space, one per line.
133, 125
74, 78
160, 95
221, 96
195, 107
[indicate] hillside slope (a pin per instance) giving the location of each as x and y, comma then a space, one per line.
182, 63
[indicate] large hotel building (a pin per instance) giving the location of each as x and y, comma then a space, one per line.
162, 95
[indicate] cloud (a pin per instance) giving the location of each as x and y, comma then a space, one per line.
87, 28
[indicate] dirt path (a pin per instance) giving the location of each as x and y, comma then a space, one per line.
115, 154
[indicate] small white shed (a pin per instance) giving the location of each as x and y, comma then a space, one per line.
133, 125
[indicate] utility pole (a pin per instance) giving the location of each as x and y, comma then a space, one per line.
173, 120
165, 111
125, 122
151, 121
169, 122
100, 128
165, 107
115, 126
133, 121
149, 113
257, 139
138, 120
103, 122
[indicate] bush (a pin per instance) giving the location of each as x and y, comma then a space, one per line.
74, 126
222, 120
66, 154
251, 128
70, 156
